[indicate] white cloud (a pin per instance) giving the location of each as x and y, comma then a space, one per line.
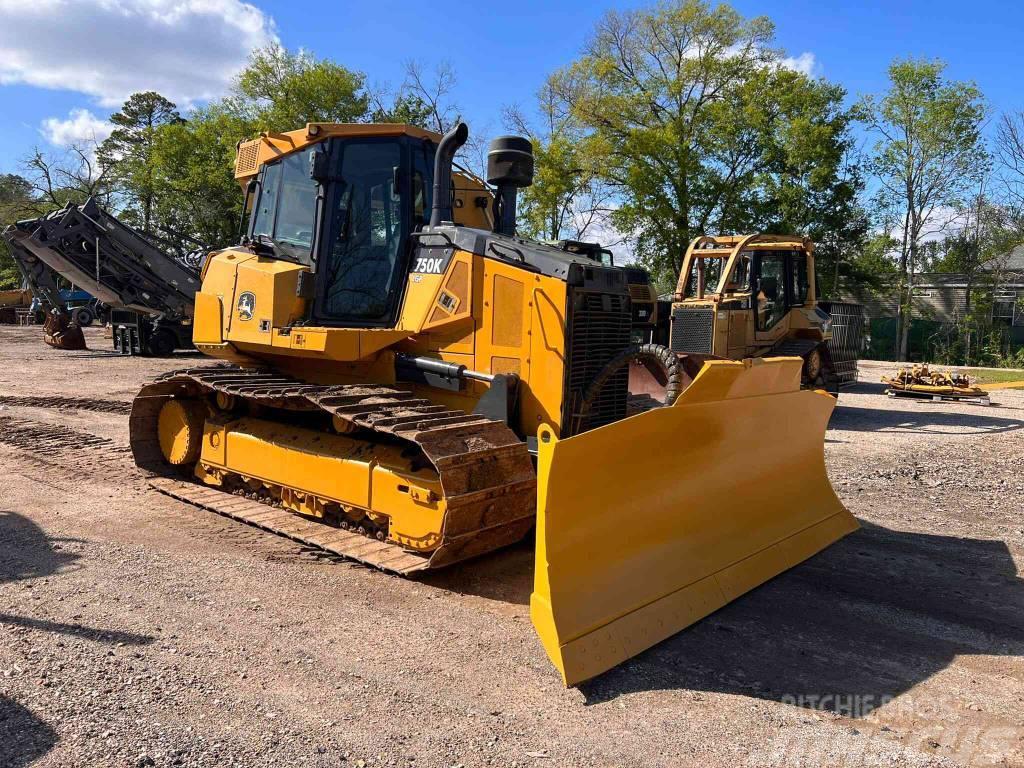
805, 64
80, 127
188, 50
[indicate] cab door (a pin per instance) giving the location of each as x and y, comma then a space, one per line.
773, 295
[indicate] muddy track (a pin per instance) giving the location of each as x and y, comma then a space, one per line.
74, 403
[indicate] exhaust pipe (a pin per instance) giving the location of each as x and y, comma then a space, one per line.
509, 167
441, 210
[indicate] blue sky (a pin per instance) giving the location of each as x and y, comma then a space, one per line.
500, 56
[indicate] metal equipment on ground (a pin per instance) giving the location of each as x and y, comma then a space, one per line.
121, 268
11, 302
58, 329
922, 382
407, 385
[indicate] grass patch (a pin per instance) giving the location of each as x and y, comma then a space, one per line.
982, 376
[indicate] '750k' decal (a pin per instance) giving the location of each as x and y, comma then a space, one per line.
430, 265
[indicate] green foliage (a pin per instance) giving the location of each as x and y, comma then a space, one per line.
927, 155
128, 154
198, 201
281, 90
177, 176
690, 117
408, 108
16, 202
567, 199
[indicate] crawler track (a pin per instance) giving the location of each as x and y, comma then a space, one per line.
485, 471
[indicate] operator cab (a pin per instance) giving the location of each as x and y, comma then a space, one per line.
775, 276
356, 205
345, 207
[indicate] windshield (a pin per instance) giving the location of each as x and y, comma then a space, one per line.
286, 209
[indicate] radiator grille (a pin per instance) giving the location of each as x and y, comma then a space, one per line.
847, 336
692, 330
598, 330
642, 293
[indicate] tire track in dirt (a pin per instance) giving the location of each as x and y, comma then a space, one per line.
74, 403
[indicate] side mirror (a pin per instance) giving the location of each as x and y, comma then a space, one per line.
318, 165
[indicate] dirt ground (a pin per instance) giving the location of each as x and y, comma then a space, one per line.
136, 630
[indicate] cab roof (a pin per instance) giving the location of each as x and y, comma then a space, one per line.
250, 155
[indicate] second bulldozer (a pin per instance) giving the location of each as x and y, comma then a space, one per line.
743, 296
408, 383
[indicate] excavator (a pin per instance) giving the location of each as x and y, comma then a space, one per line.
741, 296
406, 382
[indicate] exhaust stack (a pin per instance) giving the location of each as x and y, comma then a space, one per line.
441, 210
509, 167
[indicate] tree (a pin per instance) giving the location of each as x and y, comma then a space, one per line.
281, 90
198, 201
16, 202
127, 153
1009, 145
694, 122
70, 175
928, 153
422, 99
567, 199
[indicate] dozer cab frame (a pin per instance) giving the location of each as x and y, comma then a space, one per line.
752, 296
411, 384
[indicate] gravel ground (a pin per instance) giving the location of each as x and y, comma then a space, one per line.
137, 631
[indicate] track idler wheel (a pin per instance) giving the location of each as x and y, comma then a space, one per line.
180, 431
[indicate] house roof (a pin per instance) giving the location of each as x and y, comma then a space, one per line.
1012, 261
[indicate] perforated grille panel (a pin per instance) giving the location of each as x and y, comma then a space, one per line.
598, 331
692, 330
247, 161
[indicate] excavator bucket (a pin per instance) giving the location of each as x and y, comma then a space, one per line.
647, 525
60, 332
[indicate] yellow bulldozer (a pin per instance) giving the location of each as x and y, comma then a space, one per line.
408, 383
742, 296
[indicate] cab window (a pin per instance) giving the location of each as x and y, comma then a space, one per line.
712, 273
739, 281
800, 285
771, 288
286, 207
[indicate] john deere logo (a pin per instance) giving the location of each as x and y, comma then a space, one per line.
246, 305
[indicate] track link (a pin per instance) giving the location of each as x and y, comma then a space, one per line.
485, 470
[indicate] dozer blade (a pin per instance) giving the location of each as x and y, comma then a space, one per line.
59, 332
651, 523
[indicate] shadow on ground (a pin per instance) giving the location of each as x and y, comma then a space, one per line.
108, 636
857, 625
921, 420
26, 552
24, 738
